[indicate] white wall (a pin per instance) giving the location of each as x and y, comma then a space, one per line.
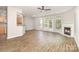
28, 23
37, 23
67, 20
77, 26
12, 29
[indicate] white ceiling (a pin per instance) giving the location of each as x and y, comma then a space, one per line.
32, 11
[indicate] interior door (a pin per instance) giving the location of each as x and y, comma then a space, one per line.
3, 24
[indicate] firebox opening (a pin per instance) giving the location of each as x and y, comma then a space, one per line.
67, 30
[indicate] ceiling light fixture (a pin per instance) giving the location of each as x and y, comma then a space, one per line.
44, 11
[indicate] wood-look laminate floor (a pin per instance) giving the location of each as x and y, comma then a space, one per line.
3, 37
39, 41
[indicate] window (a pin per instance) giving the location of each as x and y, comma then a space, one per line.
46, 22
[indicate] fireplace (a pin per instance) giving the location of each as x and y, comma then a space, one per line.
67, 30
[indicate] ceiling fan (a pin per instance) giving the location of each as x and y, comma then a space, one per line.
43, 8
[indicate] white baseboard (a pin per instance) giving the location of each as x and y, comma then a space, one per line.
13, 36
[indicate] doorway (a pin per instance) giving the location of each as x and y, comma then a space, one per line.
3, 23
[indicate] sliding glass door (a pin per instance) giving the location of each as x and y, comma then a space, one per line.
46, 23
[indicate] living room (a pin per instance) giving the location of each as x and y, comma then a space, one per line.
41, 28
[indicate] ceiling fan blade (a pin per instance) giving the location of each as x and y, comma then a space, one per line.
43, 8
47, 9
40, 8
